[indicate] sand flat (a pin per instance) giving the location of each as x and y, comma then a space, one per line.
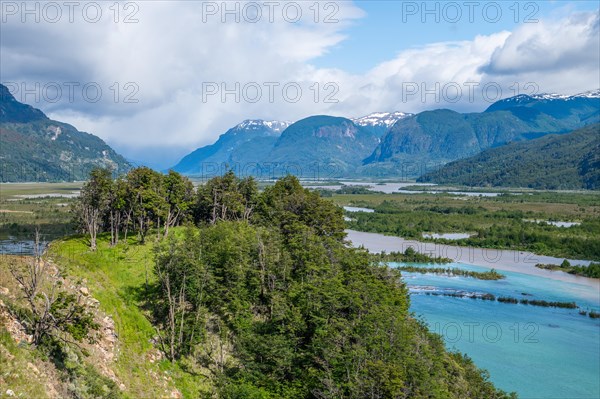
500, 259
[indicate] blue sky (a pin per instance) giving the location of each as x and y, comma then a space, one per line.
389, 27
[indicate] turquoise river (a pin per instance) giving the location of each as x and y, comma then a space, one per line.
537, 352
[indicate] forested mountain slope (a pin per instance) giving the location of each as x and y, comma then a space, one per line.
568, 161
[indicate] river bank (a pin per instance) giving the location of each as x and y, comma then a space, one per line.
514, 261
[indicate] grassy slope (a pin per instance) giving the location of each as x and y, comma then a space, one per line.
115, 276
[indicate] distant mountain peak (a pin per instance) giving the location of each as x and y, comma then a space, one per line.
386, 119
589, 94
551, 103
550, 96
276, 126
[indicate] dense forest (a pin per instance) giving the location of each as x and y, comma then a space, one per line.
261, 292
555, 162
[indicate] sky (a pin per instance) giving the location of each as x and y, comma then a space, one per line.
158, 79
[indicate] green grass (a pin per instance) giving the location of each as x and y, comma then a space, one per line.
116, 277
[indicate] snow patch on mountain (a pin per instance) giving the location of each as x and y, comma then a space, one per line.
386, 119
525, 98
55, 130
589, 94
550, 96
253, 124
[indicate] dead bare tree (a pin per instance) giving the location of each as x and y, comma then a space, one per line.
31, 280
52, 310
176, 303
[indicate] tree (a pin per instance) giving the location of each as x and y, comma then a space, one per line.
287, 310
179, 198
226, 198
183, 282
287, 202
116, 214
147, 201
93, 202
52, 312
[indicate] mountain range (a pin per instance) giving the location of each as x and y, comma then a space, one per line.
390, 144
315, 146
246, 143
34, 148
441, 136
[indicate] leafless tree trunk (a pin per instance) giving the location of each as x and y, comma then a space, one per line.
115, 222
172, 219
214, 210
247, 213
176, 305
31, 281
127, 221
91, 217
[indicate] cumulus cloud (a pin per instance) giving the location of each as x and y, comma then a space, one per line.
549, 46
168, 61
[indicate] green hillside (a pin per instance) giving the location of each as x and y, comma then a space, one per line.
323, 146
34, 148
568, 161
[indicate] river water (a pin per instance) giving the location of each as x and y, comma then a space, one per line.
23, 247
538, 352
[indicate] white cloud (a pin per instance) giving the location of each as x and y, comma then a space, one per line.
174, 51
549, 45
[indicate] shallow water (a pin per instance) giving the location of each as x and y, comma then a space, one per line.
516, 261
557, 224
537, 352
387, 188
14, 246
447, 236
358, 209
463, 193
72, 194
